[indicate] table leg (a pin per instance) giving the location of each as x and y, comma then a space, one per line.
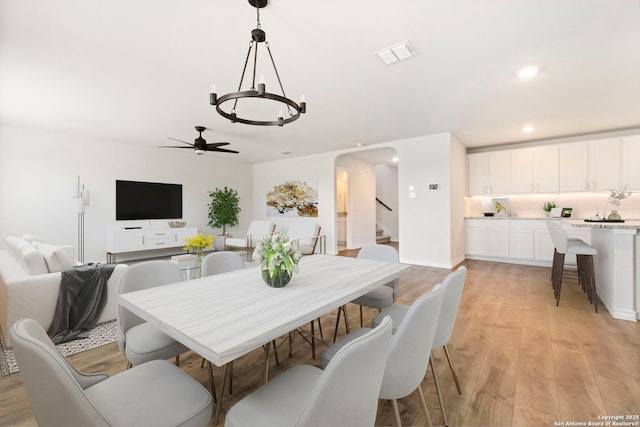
267, 351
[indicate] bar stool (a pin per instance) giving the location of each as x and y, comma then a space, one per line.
584, 255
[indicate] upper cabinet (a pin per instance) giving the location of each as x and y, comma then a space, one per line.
534, 170
630, 160
489, 173
590, 165
596, 165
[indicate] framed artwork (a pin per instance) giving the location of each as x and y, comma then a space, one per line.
501, 207
293, 198
567, 212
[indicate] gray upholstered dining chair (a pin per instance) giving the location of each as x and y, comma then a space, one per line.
221, 262
410, 350
344, 394
382, 296
154, 394
139, 340
453, 286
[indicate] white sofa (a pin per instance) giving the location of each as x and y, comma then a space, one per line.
30, 279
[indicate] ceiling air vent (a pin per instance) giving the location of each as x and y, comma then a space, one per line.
396, 52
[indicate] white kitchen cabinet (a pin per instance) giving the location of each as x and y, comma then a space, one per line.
535, 170
574, 167
487, 237
604, 164
476, 239
630, 160
521, 239
489, 173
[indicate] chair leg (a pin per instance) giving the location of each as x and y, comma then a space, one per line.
361, 318
313, 341
178, 360
342, 309
424, 405
592, 281
453, 370
320, 327
396, 412
129, 365
438, 390
559, 275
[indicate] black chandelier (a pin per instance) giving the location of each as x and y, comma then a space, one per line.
294, 110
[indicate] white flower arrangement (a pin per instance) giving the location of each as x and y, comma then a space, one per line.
276, 253
618, 195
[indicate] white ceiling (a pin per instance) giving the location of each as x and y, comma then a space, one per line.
140, 71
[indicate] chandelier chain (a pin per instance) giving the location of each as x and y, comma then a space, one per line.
266, 43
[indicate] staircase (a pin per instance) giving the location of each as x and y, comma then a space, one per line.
380, 237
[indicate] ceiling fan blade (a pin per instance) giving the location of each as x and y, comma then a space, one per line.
174, 139
217, 144
223, 150
174, 146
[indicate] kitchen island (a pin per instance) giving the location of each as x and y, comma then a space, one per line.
617, 265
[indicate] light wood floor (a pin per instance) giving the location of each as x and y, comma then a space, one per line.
521, 360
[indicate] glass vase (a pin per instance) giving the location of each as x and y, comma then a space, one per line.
613, 216
279, 280
199, 255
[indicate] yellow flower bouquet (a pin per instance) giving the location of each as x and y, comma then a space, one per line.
197, 244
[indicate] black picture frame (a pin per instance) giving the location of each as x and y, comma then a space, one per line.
566, 212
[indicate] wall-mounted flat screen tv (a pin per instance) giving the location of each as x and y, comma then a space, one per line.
148, 200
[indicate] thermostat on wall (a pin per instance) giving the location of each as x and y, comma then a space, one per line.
434, 186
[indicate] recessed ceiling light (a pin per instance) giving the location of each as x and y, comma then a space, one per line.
528, 129
395, 159
528, 72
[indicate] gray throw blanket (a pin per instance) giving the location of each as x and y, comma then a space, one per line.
81, 299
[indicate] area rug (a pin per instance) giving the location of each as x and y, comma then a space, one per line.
102, 334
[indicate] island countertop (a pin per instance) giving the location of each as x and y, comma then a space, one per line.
629, 225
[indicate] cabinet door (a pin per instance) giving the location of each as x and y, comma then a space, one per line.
522, 162
604, 164
179, 234
546, 172
574, 167
499, 172
126, 241
476, 241
498, 242
630, 157
521, 243
478, 174
543, 246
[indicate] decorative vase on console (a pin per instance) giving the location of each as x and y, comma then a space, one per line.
278, 257
614, 198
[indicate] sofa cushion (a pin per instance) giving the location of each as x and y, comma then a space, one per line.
56, 257
15, 245
33, 261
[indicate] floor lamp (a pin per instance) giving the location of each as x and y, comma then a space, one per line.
81, 198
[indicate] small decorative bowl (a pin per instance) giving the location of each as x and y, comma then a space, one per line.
177, 224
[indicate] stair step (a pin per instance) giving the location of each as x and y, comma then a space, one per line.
383, 239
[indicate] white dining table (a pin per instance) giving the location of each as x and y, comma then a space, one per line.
225, 316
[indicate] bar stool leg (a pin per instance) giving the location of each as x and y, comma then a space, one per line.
559, 274
592, 281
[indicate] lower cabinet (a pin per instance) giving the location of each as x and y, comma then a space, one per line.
145, 239
520, 241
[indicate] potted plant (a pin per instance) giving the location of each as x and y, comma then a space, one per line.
548, 206
223, 211
616, 196
278, 257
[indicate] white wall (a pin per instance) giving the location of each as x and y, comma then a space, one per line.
426, 220
38, 171
427, 223
320, 168
361, 219
458, 188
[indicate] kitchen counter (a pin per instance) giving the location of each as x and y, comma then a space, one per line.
617, 265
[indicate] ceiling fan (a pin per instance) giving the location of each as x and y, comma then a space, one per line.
200, 144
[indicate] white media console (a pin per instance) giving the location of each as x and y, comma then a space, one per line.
122, 240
